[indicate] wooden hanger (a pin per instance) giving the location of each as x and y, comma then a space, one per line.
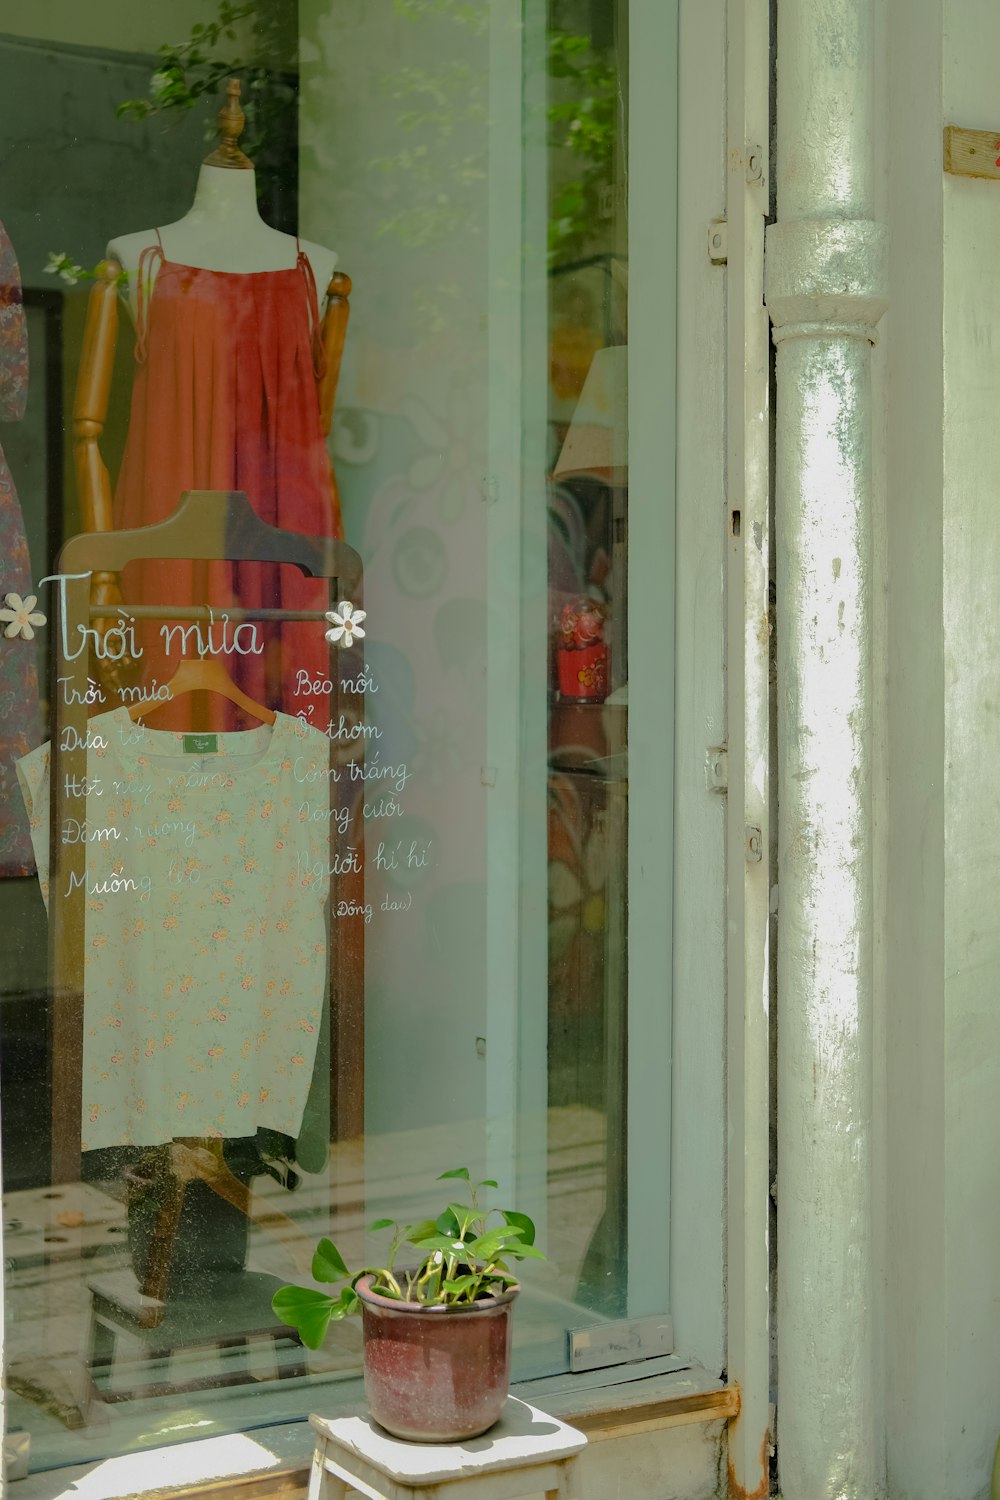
215, 524
204, 675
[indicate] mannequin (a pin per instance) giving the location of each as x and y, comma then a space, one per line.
221, 231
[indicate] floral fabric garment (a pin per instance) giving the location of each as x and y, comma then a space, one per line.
206, 887
19, 706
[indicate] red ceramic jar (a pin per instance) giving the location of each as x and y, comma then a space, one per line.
436, 1374
583, 673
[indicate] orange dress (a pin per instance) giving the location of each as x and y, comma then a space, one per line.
226, 397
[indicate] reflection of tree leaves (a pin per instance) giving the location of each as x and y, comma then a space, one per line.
189, 72
448, 104
583, 122
472, 13
441, 124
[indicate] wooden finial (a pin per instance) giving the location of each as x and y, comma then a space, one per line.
231, 122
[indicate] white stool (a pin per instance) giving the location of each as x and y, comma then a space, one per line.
526, 1452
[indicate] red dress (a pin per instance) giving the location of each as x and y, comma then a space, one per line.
226, 397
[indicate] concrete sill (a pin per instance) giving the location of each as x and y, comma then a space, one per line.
274, 1461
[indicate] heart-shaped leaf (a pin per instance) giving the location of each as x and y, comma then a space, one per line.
328, 1263
522, 1222
308, 1311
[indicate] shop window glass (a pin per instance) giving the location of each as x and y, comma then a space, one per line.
314, 839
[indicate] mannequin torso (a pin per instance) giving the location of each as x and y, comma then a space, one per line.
222, 231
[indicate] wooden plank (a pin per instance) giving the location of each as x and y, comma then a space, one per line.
670, 1411
971, 153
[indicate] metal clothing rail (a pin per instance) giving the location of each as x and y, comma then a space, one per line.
234, 614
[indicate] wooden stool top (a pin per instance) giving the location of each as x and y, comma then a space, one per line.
523, 1436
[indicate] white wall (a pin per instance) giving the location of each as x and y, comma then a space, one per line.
972, 754
942, 778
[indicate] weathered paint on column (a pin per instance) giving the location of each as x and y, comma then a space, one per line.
825, 289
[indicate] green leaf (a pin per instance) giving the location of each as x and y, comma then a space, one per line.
460, 1285
384, 1289
523, 1223
448, 1222
487, 1182
524, 1252
464, 1217
462, 1172
328, 1263
444, 1242
308, 1311
418, 1232
381, 1224
495, 1241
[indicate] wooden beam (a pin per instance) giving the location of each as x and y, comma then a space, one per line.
971, 153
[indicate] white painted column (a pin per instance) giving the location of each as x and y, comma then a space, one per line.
825, 280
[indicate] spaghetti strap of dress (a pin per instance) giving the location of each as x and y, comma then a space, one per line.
151, 257
318, 351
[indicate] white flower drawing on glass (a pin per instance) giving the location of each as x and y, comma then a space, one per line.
345, 621
20, 616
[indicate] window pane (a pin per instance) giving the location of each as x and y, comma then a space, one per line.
314, 857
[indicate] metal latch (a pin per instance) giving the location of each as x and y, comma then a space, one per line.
718, 242
716, 768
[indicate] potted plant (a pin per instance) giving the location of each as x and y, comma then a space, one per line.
436, 1335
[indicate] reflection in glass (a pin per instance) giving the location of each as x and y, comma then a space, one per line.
325, 916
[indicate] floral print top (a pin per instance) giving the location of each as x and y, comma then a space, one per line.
206, 888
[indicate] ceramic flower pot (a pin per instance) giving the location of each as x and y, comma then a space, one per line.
436, 1374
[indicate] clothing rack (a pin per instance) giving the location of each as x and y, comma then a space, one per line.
207, 526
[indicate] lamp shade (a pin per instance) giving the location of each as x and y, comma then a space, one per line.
597, 440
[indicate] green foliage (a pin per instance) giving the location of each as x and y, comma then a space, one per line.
441, 121
472, 13
62, 265
584, 122
191, 71
462, 1259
